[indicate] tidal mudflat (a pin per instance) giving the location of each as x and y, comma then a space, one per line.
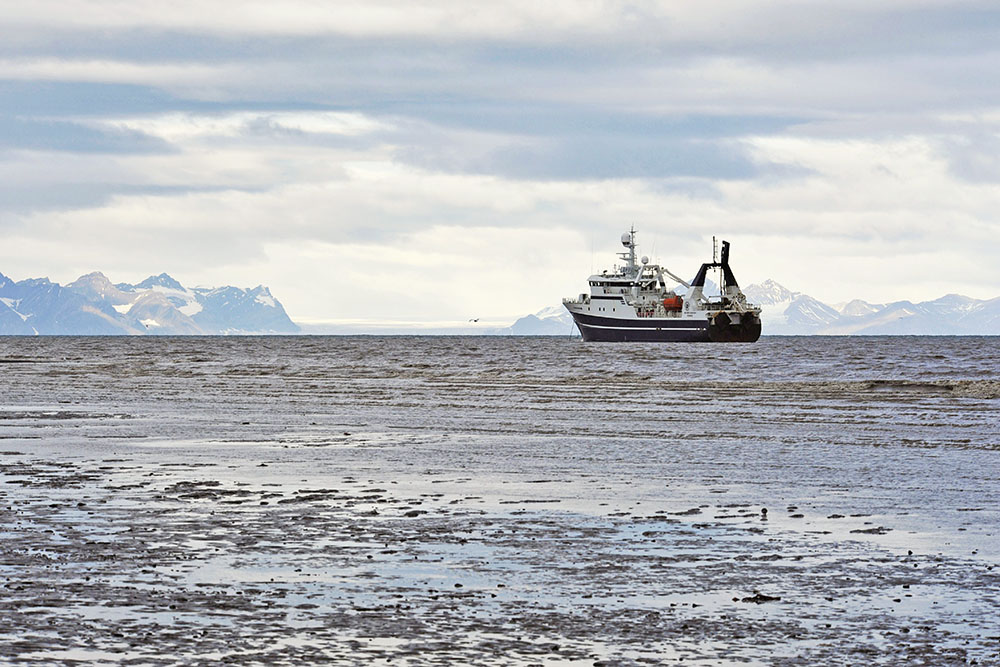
498, 501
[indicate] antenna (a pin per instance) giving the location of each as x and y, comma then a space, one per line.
715, 251
628, 241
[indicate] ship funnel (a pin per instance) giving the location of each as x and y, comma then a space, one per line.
729, 279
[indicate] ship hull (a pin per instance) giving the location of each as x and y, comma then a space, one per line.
662, 330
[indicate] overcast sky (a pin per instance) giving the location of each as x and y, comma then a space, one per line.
438, 161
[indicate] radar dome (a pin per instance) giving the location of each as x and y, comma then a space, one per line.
626, 239
645, 260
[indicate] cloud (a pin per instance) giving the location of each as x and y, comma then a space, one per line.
831, 143
112, 71
282, 125
889, 215
258, 151
55, 135
974, 155
729, 24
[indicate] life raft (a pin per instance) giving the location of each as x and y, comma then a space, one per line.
673, 303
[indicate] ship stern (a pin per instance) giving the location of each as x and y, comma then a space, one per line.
731, 327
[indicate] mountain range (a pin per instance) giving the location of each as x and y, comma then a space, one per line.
788, 313
785, 312
93, 305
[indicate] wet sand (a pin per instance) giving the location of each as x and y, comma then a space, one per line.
277, 558
291, 533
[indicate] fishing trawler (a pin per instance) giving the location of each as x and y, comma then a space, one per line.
634, 303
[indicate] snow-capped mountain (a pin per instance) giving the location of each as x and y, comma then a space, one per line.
859, 308
769, 293
549, 321
231, 309
786, 312
793, 313
952, 314
93, 305
47, 307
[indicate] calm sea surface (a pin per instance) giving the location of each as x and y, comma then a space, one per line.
433, 500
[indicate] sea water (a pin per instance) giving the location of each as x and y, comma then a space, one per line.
442, 500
